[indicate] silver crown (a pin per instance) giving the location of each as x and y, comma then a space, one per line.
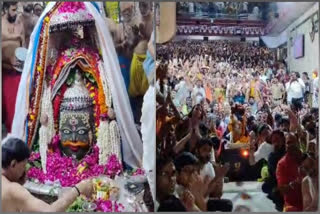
77, 96
69, 15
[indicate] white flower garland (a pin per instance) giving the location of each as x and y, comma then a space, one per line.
103, 141
43, 147
107, 132
114, 139
46, 133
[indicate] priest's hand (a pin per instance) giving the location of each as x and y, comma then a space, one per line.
86, 187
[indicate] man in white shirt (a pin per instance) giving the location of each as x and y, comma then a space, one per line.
295, 88
198, 93
315, 94
183, 91
207, 171
264, 148
204, 154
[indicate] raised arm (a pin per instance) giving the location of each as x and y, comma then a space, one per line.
182, 143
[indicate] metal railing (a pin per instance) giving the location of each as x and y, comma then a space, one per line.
219, 15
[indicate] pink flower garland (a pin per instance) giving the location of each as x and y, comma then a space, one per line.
65, 169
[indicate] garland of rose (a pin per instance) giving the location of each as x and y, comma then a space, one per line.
68, 172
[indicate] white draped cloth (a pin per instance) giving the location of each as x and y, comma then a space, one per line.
131, 141
148, 131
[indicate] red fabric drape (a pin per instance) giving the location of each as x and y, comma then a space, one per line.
10, 85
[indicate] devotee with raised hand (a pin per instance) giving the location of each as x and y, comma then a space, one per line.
264, 146
188, 179
215, 174
264, 105
15, 197
288, 177
13, 37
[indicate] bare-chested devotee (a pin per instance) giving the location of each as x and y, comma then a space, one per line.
125, 34
38, 9
13, 37
29, 20
14, 197
138, 80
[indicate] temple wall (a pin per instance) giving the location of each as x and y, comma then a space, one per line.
303, 25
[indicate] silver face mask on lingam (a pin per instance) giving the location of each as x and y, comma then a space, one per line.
76, 125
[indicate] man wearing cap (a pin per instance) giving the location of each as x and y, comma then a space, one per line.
13, 37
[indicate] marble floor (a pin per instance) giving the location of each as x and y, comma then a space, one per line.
256, 200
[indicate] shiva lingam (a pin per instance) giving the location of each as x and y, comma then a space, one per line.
76, 126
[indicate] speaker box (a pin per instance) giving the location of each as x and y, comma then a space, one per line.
243, 39
205, 38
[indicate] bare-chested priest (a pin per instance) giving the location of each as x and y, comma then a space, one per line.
13, 37
14, 197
